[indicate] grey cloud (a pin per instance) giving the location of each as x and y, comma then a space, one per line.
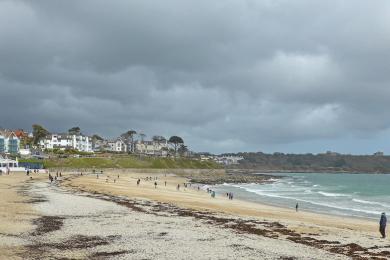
226, 75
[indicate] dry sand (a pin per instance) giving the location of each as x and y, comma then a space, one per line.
16, 214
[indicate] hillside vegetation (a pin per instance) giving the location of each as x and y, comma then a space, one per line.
129, 162
315, 163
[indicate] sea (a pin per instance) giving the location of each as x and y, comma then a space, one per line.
354, 195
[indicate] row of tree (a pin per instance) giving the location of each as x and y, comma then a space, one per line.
176, 141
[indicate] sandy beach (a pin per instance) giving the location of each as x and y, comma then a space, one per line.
110, 217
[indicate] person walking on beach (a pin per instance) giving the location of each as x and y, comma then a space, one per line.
138, 181
296, 207
178, 187
165, 183
382, 225
155, 184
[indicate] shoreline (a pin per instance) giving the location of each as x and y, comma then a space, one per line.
264, 171
325, 204
237, 206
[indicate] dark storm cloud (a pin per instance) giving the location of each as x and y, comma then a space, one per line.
226, 75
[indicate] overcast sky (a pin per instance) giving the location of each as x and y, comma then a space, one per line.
255, 75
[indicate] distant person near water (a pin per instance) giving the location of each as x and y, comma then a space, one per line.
382, 225
296, 207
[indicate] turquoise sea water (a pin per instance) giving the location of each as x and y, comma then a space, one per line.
358, 195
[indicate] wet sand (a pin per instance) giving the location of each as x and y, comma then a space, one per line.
82, 217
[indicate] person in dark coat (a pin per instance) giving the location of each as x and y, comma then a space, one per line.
382, 225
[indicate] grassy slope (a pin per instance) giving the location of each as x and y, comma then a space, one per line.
129, 162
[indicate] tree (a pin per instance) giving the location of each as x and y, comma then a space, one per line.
142, 136
176, 141
97, 137
128, 138
74, 131
96, 141
39, 132
183, 149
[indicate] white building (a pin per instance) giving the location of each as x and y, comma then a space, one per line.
9, 142
66, 141
228, 160
117, 145
152, 148
8, 165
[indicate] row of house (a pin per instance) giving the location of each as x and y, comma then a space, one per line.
13, 142
87, 144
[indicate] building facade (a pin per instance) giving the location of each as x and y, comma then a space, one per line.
9, 142
228, 160
117, 145
152, 148
66, 141
8, 165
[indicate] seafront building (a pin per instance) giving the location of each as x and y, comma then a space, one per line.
9, 142
228, 160
77, 142
8, 165
152, 148
117, 145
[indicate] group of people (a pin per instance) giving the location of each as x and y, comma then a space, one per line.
229, 195
51, 178
212, 192
31, 171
